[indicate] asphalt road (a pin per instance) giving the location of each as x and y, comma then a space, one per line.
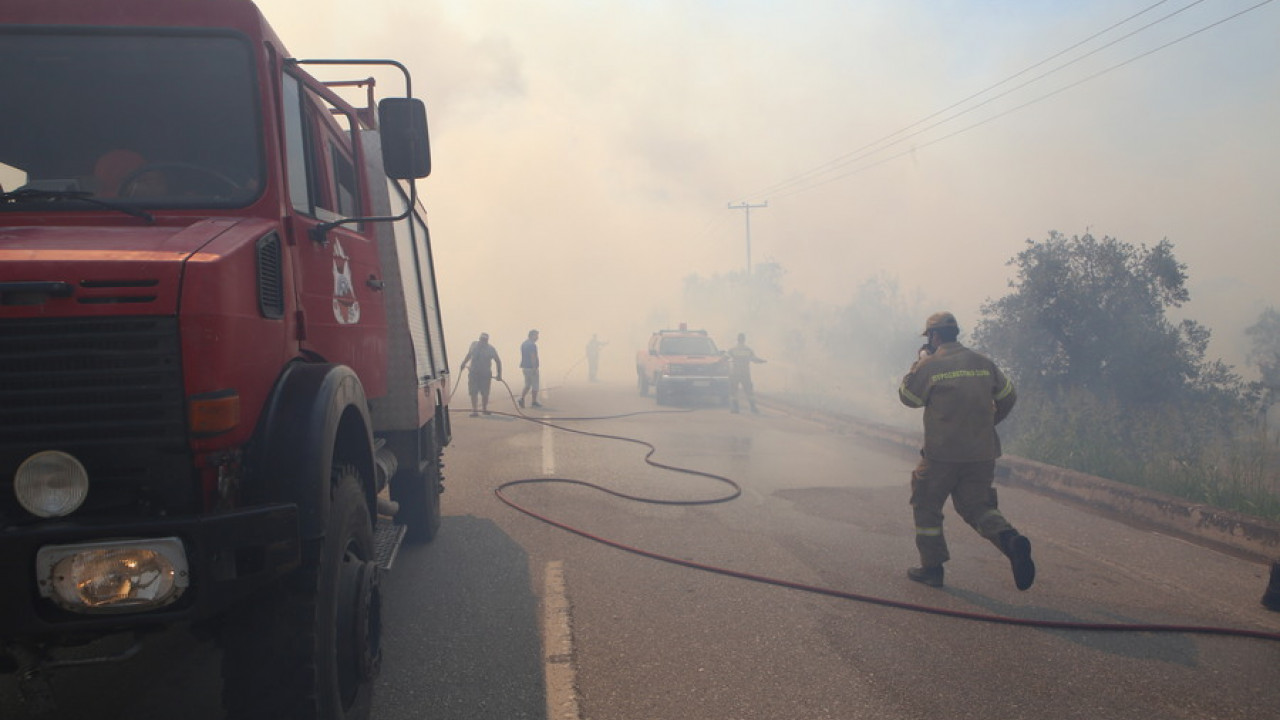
504, 617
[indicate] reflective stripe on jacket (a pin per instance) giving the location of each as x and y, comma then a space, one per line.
964, 396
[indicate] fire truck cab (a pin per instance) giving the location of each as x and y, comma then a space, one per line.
223, 378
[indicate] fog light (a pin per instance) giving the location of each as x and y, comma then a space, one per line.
116, 576
51, 484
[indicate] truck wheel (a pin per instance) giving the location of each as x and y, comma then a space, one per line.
418, 494
660, 394
642, 381
311, 646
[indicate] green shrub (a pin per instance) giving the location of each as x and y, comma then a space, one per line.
1199, 453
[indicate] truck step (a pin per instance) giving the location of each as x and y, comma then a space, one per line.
387, 538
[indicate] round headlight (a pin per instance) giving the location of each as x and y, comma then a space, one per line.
51, 484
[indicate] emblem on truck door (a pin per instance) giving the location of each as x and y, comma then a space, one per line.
346, 309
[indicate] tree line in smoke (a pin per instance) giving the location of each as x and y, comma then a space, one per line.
1108, 382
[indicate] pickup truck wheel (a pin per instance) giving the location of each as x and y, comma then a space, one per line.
642, 382
419, 497
660, 394
311, 646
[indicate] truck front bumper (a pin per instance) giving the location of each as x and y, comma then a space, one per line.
228, 556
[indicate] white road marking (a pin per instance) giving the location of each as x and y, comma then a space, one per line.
557, 646
548, 451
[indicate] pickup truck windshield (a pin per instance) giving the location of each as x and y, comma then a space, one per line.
688, 346
143, 118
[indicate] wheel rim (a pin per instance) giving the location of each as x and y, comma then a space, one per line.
359, 637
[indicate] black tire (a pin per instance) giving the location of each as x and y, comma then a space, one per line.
418, 494
310, 648
642, 381
661, 395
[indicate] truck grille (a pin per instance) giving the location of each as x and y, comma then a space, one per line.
108, 390
705, 369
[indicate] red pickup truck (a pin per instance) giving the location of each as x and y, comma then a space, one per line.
682, 363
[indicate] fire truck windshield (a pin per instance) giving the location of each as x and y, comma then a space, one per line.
146, 118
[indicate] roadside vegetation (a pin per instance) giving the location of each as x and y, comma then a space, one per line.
1108, 383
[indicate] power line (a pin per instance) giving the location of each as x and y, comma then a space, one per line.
851, 158
861, 168
815, 178
859, 153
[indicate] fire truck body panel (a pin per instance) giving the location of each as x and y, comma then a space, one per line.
100, 266
217, 307
226, 342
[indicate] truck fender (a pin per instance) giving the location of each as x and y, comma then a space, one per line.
316, 414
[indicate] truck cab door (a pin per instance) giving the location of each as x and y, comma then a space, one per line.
336, 273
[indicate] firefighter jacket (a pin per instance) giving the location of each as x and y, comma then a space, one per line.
964, 396
740, 359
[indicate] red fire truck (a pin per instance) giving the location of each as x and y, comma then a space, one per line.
222, 367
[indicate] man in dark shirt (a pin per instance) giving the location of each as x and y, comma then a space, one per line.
529, 364
481, 355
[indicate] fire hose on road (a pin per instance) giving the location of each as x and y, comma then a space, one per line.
735, 491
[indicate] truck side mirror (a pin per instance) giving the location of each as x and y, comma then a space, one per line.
406, 151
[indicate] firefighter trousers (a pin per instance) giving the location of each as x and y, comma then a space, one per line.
736, 380
969, 485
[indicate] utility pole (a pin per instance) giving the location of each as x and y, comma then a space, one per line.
747, 207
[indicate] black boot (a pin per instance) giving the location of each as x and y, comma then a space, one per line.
931, 576
1018, 549
1271, 598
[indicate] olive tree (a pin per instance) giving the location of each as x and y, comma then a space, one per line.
1107, 382
1089, 314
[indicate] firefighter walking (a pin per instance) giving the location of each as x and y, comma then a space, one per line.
964, 396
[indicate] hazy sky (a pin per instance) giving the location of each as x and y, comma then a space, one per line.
585, 153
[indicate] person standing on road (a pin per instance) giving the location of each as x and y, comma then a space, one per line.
529, 364
964, 396
481, 355
740, 359
593, 356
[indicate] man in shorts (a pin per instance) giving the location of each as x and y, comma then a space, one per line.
482, 356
